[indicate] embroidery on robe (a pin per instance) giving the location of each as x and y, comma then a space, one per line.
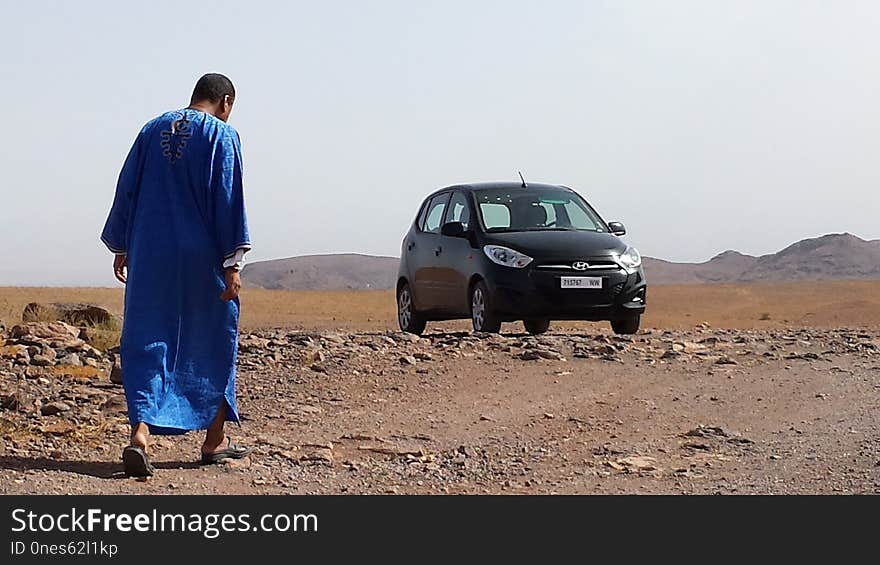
174, 140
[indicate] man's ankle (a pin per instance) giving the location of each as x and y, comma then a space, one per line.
213, 440
140, 436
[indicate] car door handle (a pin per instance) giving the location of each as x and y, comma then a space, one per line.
438, 251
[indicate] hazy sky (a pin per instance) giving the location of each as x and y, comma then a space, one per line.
702, 125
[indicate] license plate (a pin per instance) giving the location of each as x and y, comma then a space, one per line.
582, 282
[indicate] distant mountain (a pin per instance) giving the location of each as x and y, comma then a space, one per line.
323, 272
833, 256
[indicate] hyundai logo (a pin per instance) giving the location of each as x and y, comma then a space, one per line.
580, 265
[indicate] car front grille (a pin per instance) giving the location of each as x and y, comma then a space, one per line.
568, 266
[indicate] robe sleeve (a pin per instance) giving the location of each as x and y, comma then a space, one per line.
115, 234
235, 262
230, 219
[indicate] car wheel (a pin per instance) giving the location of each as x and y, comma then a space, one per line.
626, 326
536, 326
410, 321
482, 316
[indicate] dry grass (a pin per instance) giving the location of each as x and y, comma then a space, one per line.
44, 315
762, 305
77, 372
85, 434
103, 336
14, 299
359, 310
819, 304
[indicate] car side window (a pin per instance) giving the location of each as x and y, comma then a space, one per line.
434, 213
459, 210
420, 222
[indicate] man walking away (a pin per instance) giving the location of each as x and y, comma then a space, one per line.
179, 232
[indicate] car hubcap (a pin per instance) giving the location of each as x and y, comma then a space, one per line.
478, 308
404, 308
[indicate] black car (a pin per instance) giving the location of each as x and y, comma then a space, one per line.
502, 252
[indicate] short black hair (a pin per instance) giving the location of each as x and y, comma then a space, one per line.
213, 87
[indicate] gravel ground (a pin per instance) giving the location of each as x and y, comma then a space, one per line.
697, 411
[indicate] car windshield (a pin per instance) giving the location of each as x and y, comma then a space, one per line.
524, 209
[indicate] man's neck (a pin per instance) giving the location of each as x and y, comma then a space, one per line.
203, 107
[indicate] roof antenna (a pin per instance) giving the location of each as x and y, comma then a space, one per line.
524, 185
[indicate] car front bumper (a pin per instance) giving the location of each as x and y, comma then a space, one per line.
537, 293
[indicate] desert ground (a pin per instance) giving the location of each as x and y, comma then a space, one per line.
739, 306
749, 388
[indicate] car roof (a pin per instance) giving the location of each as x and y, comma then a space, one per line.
502, 185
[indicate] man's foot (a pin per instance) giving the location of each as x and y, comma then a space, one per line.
140, 436
231, 451
136, 463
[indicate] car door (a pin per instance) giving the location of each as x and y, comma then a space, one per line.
455, 258
424, 250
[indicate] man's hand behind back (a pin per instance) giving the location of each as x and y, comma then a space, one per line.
233, 284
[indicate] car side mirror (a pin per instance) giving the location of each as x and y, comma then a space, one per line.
453, 229
617, 228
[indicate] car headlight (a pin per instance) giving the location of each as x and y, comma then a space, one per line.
506, 256
630, 259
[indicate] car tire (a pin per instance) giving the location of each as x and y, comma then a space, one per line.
626, 326
408, 318
538, 326
483, 317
